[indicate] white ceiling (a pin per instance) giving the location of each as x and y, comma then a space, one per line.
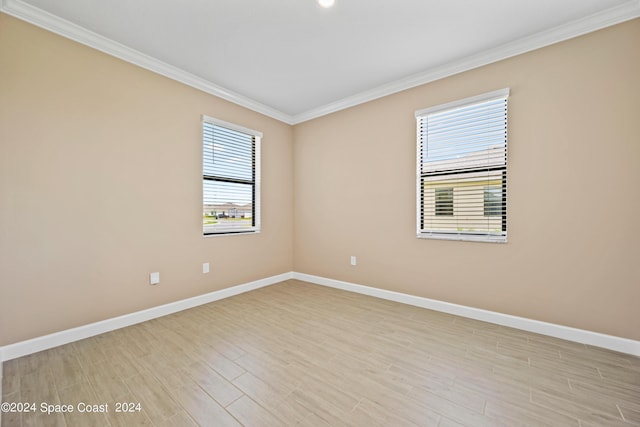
293, 60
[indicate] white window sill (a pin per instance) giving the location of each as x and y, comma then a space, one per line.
235, 233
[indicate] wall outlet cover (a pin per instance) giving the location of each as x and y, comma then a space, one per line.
154, 278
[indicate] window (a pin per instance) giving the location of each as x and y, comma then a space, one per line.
444, 201
230, 178
462, 169
493, 200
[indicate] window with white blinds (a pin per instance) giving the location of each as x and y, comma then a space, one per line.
462, 169
230, 178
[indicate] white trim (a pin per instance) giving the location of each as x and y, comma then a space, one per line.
34, 345
610, 342
67, 29
615, 15
237, 233
596, 339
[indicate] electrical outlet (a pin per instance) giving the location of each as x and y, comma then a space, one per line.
205, 267
154, 278
353, 260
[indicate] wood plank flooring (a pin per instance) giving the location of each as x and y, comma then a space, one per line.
297, 354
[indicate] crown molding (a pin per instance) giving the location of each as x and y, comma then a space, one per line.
616, 15
57, 25
624, 12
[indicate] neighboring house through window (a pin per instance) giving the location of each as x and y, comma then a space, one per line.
462, 169
230, 178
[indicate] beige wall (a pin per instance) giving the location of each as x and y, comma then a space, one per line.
574, 163
100, 165
100, 184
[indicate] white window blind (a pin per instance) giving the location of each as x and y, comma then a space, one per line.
462, 169
230, 178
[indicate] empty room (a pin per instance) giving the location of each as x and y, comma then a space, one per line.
320, 213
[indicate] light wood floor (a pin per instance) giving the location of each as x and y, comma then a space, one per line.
300, 354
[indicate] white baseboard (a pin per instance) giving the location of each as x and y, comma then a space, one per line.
596, 339
35, 345
45, 342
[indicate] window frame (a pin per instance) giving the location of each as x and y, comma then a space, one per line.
255, 182
431, 233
